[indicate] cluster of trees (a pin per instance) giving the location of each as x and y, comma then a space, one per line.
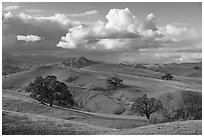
147, 106
51, 91
191, 112
113, 82
196, 67
167, 76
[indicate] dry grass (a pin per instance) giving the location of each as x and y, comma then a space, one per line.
192, 127
137, 82
24, 105
16, 123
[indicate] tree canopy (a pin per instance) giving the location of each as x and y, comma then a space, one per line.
147, 106
114, 82
50, 90
167, 76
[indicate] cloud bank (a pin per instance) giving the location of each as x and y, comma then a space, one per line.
121, 32
9, 8
121, 24
51, 28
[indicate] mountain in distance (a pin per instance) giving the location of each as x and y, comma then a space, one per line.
12, 64
79, 62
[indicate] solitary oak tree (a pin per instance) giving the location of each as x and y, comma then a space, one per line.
50, 90
147, 106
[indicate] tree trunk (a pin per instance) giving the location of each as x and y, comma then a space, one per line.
50, 102
148, 116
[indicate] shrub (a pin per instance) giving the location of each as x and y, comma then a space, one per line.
192, 112
196, 67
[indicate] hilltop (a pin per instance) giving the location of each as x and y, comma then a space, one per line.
79, 62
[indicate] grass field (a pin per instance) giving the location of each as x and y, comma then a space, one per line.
104, 111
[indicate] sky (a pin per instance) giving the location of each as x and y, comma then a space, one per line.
110, 31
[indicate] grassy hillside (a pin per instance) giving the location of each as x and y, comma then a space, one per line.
118, 68
183, 69
192, 127
16, 123
89, 87
102, 111
21, 79
18, 102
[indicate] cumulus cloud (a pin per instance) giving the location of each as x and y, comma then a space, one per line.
13, 7
8, 15
121, 20
29, 38
177, 32
149, 24
120, 24
66, 45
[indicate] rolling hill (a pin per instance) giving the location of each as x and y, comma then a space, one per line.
13, 64
89, 87
191, 127
79, 62
97, 105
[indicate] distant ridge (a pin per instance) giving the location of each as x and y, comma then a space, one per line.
12, 64
79, 62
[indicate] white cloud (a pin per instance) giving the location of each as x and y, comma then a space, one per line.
120, 31
24, 16
66, 45
8, 15
148, 28
177, 32
57, 18
9, 8
121, 20
60, 18
87, 13
110, 44
120, 24
29, 38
